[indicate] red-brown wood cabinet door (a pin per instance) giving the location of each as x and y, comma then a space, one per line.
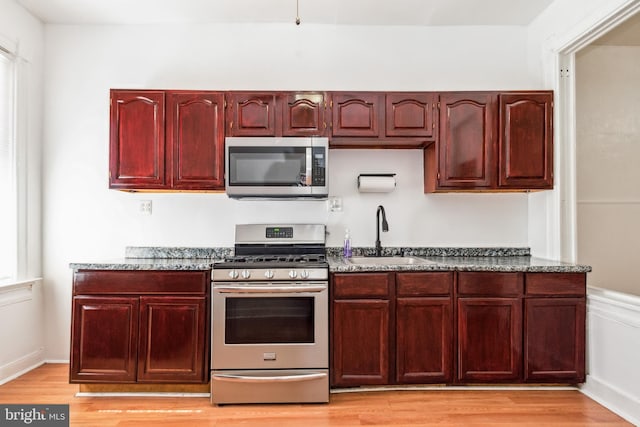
489, 340
360, 351
554, 339
424, 334
172, 339
137, 143
195, 134
303, 114
468, 125
410, 114
251, 114
526, 140
357, 114
104, 339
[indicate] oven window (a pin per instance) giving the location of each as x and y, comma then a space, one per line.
272, 320
267, 166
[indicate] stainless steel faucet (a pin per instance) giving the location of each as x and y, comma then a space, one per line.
385, 228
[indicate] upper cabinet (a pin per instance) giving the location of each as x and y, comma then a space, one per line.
492, 141
464, 154
251, 114
166, 140
195, 136
356, 114
526, 132
410, 114
382, 120
137, 143
276, 114
304, 114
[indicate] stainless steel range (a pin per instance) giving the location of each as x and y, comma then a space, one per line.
270, 317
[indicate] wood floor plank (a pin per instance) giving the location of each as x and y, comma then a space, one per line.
48, 384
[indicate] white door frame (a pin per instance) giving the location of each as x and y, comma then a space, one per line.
565, 49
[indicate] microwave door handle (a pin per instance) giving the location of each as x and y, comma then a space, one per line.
309, 170
256, 379
230, 289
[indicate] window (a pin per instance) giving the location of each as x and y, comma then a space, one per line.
8, 194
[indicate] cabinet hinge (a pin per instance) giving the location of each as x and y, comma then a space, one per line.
224, 103
231, 125
438, 105
325, 125
438, 176
331, 103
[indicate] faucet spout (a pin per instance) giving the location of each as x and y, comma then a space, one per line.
385, 228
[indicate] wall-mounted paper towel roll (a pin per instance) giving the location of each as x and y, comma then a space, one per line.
379, 183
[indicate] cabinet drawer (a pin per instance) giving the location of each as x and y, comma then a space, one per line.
141, 282
365, 285
490, 284
556, 284
421, 284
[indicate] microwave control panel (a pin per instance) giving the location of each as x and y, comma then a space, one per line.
318, 168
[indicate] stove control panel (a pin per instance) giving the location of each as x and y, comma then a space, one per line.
279, 233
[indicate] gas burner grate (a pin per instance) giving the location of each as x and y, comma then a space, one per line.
247, 259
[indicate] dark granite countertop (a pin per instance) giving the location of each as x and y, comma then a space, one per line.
438, 259
464, 263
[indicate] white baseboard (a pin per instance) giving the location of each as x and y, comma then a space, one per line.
609, 396
14, 369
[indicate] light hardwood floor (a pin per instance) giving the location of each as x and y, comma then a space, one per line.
48, 384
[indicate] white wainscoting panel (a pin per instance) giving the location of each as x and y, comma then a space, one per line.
613, 352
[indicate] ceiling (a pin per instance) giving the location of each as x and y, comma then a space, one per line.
336, 12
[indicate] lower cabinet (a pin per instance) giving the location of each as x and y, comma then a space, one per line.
492, 327
554, 313
391, 328
148, 327
424, 328
360, 317
489, 347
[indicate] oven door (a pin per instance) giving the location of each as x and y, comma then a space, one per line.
270, 325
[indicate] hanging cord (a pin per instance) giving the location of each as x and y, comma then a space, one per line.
297, 13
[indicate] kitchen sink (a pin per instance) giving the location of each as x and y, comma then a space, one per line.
387, 260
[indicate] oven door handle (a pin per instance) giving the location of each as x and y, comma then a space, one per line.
280, 379
229, 289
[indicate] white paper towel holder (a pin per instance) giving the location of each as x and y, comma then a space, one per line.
388, 181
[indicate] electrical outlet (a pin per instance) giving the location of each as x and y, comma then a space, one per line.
145, 207
335, 204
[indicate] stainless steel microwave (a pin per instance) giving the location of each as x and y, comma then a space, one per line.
271, 167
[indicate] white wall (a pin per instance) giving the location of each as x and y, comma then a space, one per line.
83, 220
21, 307
608, 147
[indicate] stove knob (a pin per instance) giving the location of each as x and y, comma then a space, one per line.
293, 274
245, 274
268, 274
233, 274
304, 274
